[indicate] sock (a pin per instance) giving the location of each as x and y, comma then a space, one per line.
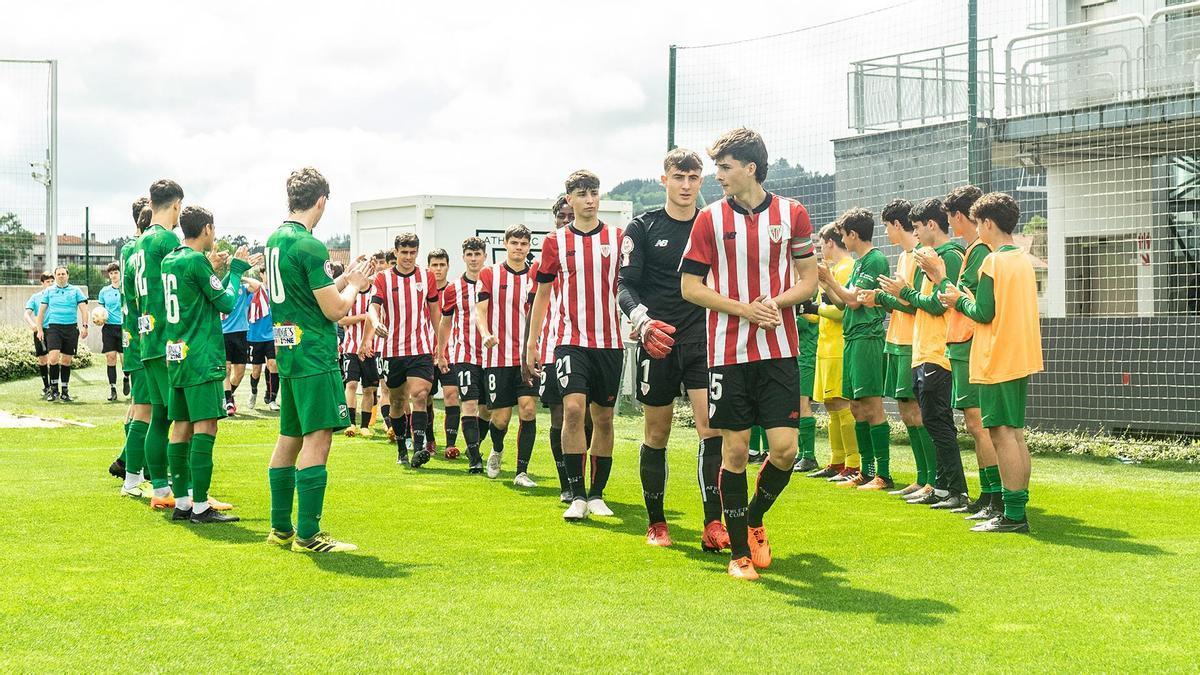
587, 434
54, 368
930, 452
365, 420
881, 438
837, 444
310, 499
990, 474
254, 385
44, 371
429, 434
497, 436
573, 467
733, 504
470, 430
849, 439
400, 424
272, 385
233, 389
132, 479
526, 434
135, 446
200, 463
112, 376
453, 414
229, 396
64, 376
1014, 503
756, 439
807, 433
283, 486
353, 416
199, 507
601, 468
156, 446
770, 484
914, 440
401, 446
652, 466
556, 451
862, 433
385, 411
177, 463
710, 475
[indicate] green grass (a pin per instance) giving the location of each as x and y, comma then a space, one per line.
458, 573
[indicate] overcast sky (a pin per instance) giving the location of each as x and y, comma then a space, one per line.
386, 99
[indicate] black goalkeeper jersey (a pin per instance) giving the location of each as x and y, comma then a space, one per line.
650, 252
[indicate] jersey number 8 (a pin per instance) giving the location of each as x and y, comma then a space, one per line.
274, 277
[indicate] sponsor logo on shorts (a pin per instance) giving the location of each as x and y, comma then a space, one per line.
343, 411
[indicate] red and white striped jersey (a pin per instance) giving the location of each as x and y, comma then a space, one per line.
586, 266
465, 344
435, 319
745, 256
507, 293
260, 306
404, 311
352, 337
549, 338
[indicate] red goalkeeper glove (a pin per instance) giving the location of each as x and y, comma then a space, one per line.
656, 338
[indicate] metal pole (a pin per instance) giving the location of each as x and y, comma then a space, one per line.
974, 170
671, 101
52, 173
87, 254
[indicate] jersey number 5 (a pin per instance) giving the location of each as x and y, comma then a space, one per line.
274, 277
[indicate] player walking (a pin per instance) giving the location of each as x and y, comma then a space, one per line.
110, 299
548, 390
438, 261
360, 365
460, 349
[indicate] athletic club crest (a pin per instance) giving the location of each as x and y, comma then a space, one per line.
605, 250
329, 268
776, 232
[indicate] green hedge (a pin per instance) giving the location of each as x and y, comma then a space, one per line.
16, 354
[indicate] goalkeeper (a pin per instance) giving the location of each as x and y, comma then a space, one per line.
672, 354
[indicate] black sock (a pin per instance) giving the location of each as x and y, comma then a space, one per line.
526, 434
653, 466
64, 376
733, 505
400, 424
770, 484
45, 373
470, 430
400, 445
112, 377
254, 385
587, 435
385, 411
556, 451
429, 434
453, 414
497, 436
419, 418
54, 369
273, 385
352, 415
573, 466
229, 396
601, 468
709, 473
233, 389
366, 419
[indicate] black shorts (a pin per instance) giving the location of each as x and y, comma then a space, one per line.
358, 369
237, 349
505, 385
260, 352
548, 389
468, 377
39, 346
661, 380
112, 339
63, 338
594, 372
446, 379
397, 369
760, 393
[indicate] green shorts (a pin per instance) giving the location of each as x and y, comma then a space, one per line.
313, 403
899, 376
1003, 404
808, 375
197, 402
863, 369
157, 384
963, 394
139, 387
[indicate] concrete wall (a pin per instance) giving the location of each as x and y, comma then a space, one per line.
12, 308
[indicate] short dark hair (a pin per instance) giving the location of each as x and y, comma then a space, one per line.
389, 256
859, 221
337, 268
164, 192
474, 244
931, 209
961, 199
47, 276
682, 159
304, 188
558, 204
193, 220
831, 233
112, 267
139, 204
144, 219
744, 145
898, 210
517, 231
438, 254
407, 240
582, 180
998, 207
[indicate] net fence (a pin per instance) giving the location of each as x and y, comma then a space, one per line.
1087, 112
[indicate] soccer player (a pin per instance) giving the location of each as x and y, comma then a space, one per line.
32, 307
1005, 351
931, 368
897, 350
306, 303
235, 325
194, 299
438, 261
749, 262
261, 337
406, 297
131, 465
360, 365
501, 313
62, 309
460, 350
672, 354
582, 258
807, 336
844, 462
548, 389
110, 299
862, 360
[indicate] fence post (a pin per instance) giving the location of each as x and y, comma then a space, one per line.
87, 255
974, 170
671, 101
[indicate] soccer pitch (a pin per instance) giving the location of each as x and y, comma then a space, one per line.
459, 573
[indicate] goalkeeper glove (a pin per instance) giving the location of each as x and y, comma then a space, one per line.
656, 338
808, 307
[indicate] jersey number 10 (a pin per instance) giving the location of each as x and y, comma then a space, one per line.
274, 278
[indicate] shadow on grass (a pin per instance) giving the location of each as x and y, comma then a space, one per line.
1061, 530
360, 565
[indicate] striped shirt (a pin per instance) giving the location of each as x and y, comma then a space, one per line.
404, 311
352, 337
507, 292
458, 300
585, 265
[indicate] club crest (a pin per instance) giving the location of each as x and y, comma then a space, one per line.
605, 250
329, 268
776, 232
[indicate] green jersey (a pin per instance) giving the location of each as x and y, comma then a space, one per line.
154, 245
298, 264
194, 298
129, 323
865, 322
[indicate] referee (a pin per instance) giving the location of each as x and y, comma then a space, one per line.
62, 312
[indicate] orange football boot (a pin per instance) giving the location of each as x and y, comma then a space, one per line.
760, 548
167, 502
656, 535
715, 537
742, 568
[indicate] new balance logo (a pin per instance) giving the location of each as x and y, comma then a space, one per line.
731, 235
661, 243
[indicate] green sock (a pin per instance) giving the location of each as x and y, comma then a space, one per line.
1014, 503
156, 446
881, 438
283, 486
807, 433
177, 463
862, 432
135, 446
200, 461
310, 492
914, 441
930, 456
756, 434
992, 474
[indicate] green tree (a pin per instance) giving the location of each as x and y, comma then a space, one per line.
93, 278
16, 243
338, 241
